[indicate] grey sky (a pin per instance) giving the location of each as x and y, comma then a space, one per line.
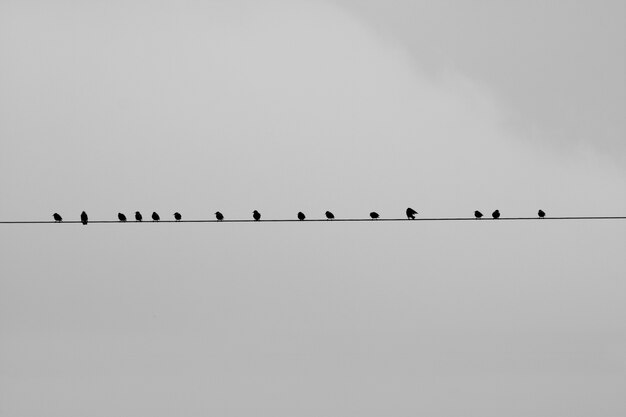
285, 106
556, 67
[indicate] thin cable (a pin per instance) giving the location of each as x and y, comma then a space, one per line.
424, 219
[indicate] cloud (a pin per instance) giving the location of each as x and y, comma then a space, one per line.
556, 68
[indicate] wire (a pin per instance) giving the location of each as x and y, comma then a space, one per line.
424, 219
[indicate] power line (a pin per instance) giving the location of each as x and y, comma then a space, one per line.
369, 220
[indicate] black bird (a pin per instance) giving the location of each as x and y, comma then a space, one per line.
496, 214
374, 215
219, 216
410, 213
256, 215
177, 216
138, 216
330, 215
83, 218
478, 214
301, 215
541, 213
57, 217
155, 216
121, 217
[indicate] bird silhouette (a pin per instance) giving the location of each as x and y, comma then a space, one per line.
256, 215
541, 214
330, 215
219, 216
478, 214
177, 216
496, 214
410, 213
155, 216
374, 215
138, 216
301, 215
57, 217
83, 218
121, 217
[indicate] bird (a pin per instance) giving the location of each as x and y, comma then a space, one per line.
219, 216
138, 216
374, 215
155, 216
330, 215
83, 218
410, 213
496, 214
256, 215
177, 216
121, 217
478, 214
301, 215
541, 214
57, 217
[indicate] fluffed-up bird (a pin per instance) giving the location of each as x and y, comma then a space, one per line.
121, 217
138, 216
330, 215
155, 216
410, 213
177, 216
374, 215
256, 215
541, 214
496, 214
301, 215
57, 217
219, 216
83, 218
478, 214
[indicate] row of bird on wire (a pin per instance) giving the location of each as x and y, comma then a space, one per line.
410, 215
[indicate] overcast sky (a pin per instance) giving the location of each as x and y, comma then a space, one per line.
287, 106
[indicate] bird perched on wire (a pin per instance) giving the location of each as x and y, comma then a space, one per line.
138, 216
374, 215
496, 214
330, 215
219, 216
83, 218
478, 214
301, 215
121, 217
57, 217
256, 215
410, 213
155, 216
177, 216
541, 214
